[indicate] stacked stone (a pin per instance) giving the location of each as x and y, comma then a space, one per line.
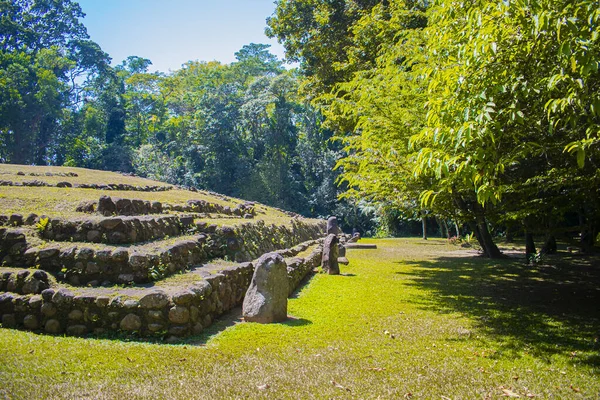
108, 206
155, 313
117, 230
245, 210
13, 244
24, 282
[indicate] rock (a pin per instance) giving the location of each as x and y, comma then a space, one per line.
125, 278
30, 220
329, 262
156, 207
48, 294
154, 300
33, 285
30, 322
76, 315
186, 221
179, 315
360, 246
48, 252
266, 298
155, 327
155, 314
94, 236
102, 301
86, 206
124, 206
15, 220
111, 223
197, 329
131, 322
355, 238
343, 261
131, 304
41, 275
64, 184
35, 302
52, 326
77, 330
106, 206
183, 298
332, 226
48, 309
9, 321
63, 296
179, 330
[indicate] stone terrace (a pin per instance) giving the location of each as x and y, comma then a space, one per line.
133, 255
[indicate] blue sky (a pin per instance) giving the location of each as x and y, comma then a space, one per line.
171, 32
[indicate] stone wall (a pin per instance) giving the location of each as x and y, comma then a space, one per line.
101, 186
13, 243
155, 313
117, 230
108, 206
81, 265
24, 282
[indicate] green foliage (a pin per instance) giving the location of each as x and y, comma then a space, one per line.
42, 225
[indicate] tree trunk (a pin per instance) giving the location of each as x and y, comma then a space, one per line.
487, 242
457, 230
530, 250
424, 224
549, 246
509, 235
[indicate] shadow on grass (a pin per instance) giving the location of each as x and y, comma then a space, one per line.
543, 310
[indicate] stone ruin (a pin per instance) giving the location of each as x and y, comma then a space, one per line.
266, 298
59, 275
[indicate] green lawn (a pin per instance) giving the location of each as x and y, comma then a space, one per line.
412, 319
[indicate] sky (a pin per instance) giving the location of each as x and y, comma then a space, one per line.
172, 32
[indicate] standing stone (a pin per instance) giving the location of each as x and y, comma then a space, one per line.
342, 255
266, 298
332, 226
329, 262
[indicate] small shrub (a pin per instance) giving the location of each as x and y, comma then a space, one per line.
42, 225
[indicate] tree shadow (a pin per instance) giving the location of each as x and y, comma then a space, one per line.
543, 310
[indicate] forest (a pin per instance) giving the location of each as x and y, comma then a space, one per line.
483, 116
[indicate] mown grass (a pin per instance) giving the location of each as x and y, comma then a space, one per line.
411, 319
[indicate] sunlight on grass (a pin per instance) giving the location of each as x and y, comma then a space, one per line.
410, 319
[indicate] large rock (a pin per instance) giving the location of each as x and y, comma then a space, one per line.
106, 206
332, 226
266, 298
329, 261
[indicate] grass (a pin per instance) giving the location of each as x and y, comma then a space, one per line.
61, 202
411, 319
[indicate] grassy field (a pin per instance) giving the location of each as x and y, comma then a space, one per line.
62, 202
412, 319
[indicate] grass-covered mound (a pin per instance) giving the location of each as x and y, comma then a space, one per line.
83, 252
412, 319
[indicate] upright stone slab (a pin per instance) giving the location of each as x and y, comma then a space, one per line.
342, 255
329, 262
332, 226
266, 298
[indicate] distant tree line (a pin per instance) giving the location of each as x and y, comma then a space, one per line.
240, 129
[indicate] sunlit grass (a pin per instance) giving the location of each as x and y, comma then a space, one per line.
403, 321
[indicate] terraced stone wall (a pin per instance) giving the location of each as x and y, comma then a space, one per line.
155, 313
80, 264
